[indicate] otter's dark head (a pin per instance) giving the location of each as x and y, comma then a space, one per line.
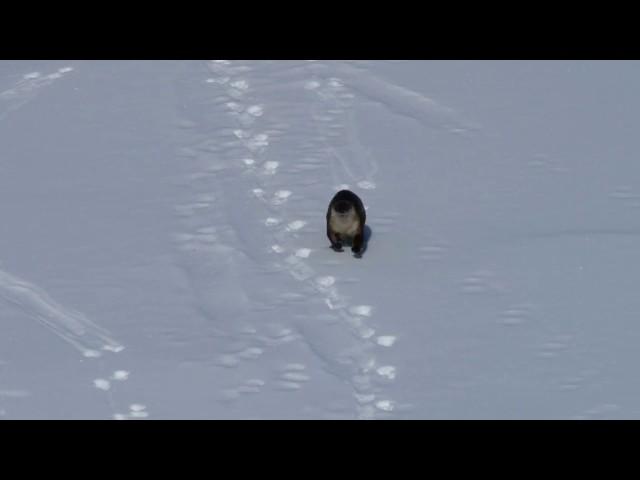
342, 206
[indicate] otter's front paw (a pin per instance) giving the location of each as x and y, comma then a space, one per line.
337, 247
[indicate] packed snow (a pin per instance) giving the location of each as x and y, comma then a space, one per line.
163, 248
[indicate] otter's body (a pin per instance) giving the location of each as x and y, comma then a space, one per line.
345, 221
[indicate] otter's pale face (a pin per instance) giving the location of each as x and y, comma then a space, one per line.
344, 219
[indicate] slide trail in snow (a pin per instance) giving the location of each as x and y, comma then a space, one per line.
27, 88
70, 325
73, 327
245, 175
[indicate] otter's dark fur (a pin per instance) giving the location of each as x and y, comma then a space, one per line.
346, 217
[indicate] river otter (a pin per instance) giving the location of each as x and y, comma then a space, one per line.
345, 221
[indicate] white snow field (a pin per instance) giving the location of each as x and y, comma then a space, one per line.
163, 251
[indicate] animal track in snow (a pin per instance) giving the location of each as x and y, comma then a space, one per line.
226, 68
297, 367
26, 89
600, 411
482, 281
227, 361
102, 384
241, 134
279, 337
249, 387
235, 93
118, 376
295, 225
240, 84
432, 249
234, 107
292, 377
258, 142
258, 192
402, 100
303, 252
251, 353
432, 252
626, 196
256, 110
387, 371
13, 393
555, 347
335, 83
386, 340
295, 377
366, 185
272, 222
385, 405
288, 386
312, 85
365, 332
136, 411
219, 80
280, 197
106, 385
326, 281
362, 310
298, 269
270, 167
516, 314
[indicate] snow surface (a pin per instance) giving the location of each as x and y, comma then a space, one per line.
163, 250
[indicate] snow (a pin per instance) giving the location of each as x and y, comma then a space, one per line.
163, 250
